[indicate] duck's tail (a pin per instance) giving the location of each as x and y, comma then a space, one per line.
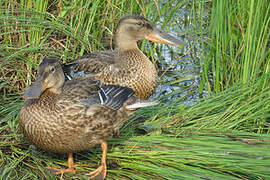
141, 103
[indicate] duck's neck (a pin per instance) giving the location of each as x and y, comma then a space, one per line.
47, 99
56, 90
130, 58
123, 42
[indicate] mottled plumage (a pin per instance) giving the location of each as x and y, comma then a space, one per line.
71, 116
125, 66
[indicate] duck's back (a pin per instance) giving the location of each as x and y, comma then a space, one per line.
129, 68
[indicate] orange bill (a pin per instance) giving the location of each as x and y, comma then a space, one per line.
162, 37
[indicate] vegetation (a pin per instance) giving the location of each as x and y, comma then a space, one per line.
239, 45
224, 134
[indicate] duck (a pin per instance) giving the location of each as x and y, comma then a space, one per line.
69, 116
126, 65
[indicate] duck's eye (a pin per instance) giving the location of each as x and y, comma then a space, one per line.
139, 23
52, 69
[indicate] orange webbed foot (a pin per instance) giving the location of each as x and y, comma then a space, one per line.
70, 169
101, 171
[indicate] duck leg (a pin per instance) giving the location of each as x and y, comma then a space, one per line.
70, 169
102, 169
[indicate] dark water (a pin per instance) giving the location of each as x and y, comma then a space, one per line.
179, 67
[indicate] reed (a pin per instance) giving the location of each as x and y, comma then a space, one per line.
240, 107
238, 45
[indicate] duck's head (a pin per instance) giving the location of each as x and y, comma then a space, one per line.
50, 76
133, 28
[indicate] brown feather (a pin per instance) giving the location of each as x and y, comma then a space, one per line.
60, 122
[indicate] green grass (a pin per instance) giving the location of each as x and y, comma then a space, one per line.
191, 155
240, 108
238, 45
224, 135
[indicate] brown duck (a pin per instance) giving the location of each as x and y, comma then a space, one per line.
72, 116
126, 66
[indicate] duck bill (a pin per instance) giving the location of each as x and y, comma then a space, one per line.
35, 90
162, 37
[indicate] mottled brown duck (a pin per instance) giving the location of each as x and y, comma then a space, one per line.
72, 116
126, 66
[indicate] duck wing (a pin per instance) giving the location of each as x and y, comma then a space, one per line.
90, 92
88, 65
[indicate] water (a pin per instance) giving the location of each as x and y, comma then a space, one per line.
179, 68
